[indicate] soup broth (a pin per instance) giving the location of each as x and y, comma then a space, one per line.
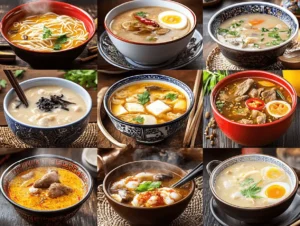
253, 184
48, 32
253, 101
148, 103
148, 189
48, 106
23, 192
150, 25
253, 31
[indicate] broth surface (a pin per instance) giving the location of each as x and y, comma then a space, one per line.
33, 115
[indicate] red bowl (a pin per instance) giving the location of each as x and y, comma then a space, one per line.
39, 59
254, 135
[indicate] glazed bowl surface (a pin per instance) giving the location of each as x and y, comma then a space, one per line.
141, 215
47, 60
57, 136
256, 134
246, 58
156, 53
149, 133
46, 217
255, 215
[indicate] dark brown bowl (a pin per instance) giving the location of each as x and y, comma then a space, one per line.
141, 215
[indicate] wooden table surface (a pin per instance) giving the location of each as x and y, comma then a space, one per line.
209, 44
89, 6
85, 216
174, 141
104, 6
28, 74
289, 139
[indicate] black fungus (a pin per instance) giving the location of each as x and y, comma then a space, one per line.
46, 104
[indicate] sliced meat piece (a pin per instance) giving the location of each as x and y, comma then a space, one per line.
241, 111
241, 98
261, 119
244, 87
254, 113
27, 176
259, 91
163, 176
253, 93
47, 180
246, 121
57, 190
268, 95
224, 97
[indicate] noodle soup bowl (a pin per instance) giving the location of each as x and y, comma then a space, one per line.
41, 59
255, 215
46, 217
57, 136
249, 58
150, 53
149, 133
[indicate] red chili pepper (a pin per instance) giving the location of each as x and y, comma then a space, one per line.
255, 104
146, 21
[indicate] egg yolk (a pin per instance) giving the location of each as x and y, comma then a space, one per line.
171, 19
273, 173
275, 191
278, 108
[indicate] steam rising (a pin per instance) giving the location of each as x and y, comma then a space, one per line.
38, 8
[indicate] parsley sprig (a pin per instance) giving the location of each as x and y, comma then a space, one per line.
144, 97
148, 186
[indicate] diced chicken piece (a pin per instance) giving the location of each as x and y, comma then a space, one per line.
132, 185
57, 190
46, 180
77, 108
152, 201
116, 197
172, 116
175, 196
268, 95
244, 87
241, 98
227, 184
125, 195
42, 92
134, 107
144, 176
118, 110
118, 184
168, 200
27, 176
251, 40
246, 121
44, 121
253, 93
236, 195
261, 119
254, 113
180, 105
241, 111
149, 119
158, 107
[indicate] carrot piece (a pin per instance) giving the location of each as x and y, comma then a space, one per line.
256, 22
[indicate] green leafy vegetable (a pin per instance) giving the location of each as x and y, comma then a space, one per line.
46, 32
139, 119
279, 94
210, 79
219, 105
3, 83
247, 182
252, 191
87, 78
141, 14
222, 31
144, 97
148, 186
256, 45
18, 73
60, 40
171, 96
264, 29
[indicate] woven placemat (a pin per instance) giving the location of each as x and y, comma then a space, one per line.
193, 215
87, 140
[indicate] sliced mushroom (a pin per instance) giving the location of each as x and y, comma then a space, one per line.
163, 31
25, 37
163, 176
152, 88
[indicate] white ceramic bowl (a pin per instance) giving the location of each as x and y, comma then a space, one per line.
150, 53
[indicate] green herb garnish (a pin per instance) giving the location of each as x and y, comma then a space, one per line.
141, 14
18, 73
264, 29
210, 79
148, 186
279, 94
247, 182
3, 83
87, 78
222, 31
219, 105
46, 32
139, 119
256, 45
60, 40
171, 96
252, 191
144, 97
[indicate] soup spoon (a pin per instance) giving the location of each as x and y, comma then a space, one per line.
190, 176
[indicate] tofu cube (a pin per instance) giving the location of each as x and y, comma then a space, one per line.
149, 120
158, 107
118, 109
180, 105
134, 107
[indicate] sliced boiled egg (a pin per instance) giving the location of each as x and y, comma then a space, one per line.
172, 20
271, 173
274, 192
278, 108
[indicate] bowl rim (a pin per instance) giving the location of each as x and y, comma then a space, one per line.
235, 76
212, 188
106, 26
253, 50
87, 195
107, 108
190, 194
33, 80
20, 7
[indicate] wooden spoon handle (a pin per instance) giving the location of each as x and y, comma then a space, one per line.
100, 98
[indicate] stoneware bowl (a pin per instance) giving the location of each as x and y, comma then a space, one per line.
58, 136
149, 133
46, 217
255, 215
141, 215
252, 58
152, 53
39, 59
253, 135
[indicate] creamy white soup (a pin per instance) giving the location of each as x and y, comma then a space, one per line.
48, 106
253, 184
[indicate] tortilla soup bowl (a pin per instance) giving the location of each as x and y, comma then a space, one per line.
42, 215
218, 172
155, 215
264, 52
29, 46
247, 130
151, 51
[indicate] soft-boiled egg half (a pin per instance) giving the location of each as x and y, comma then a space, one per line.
172, 20
271, 173
275, 192
278, 108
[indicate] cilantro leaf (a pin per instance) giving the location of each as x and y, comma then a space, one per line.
60, 40
46, 32
3, 83
144, 97
252, 191
57, 46
18, 73
148, 186
141, 14
85, 78
139, 119
171, 96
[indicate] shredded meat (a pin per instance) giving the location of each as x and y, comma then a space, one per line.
269, 95
57, 190
246, 121
46, 180
254, 113
244, 87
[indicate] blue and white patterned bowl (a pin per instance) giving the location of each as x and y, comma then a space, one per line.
252, 214
58, 136
252, 58
149, 133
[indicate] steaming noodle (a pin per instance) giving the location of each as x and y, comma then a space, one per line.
48, 32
